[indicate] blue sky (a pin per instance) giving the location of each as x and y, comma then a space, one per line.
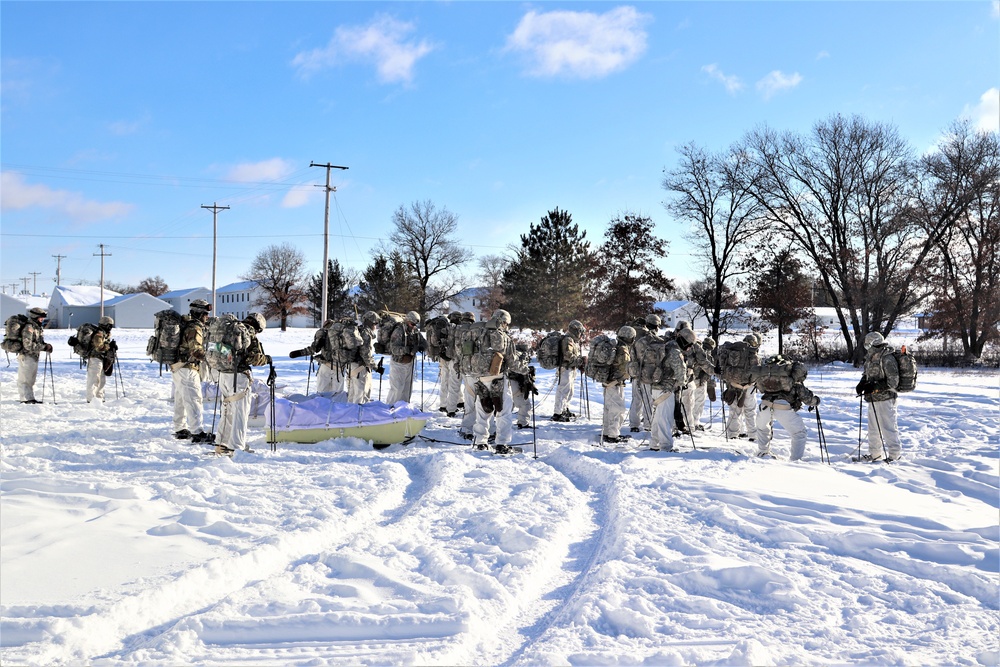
120, 120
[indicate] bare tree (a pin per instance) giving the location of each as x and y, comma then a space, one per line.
425, 238
703, 294
279, 271
965, 268
155, 286
841, 194
491, 269
711, 194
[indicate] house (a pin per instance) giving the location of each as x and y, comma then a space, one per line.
180, 299
471, 300
72, 305
239, 299
672, 312
20, 304
134, 311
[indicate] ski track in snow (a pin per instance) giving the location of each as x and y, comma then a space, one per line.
433, 554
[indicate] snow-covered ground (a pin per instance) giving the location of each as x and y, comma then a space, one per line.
121, 545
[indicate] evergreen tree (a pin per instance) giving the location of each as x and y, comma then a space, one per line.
387, 284
625, 280
338, 293
782, 293
544, 285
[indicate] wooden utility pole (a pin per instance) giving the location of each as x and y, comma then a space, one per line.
215, 208
59, 259
34, 282
326, 238
102, 254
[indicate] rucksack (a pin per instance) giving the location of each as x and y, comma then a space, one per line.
384, 332
907, 370
12, 333
654, 351
736, 359
489, 343
81, 341
779, 377
439, 338
468, 346
226, 341
165, 343
550, 350
600, 358
342, 341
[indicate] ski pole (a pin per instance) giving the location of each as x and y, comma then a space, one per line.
309, 376
118, 366
687, 420
534, 438
215, 410
272, 436
861, 405
421, 383
824, 451
725, 426
871, 411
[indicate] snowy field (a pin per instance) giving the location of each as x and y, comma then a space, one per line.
121, 545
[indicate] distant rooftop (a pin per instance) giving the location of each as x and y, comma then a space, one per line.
83, 295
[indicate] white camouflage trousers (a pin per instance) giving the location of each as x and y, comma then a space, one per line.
235, 409
27, 373
95, 378
564, 390
503, 419
400, 382
614, 409
742, 415
661, 434
882, 427
188, 406
359, 383
789, 419
640, 410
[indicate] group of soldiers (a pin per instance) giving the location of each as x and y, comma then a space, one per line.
484, 371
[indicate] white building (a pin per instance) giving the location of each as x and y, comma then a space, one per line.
134, 311
672, 312
180, 299
239, 298
72, 305
20, 304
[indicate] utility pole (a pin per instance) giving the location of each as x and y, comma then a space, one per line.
13, 289
59, 259
215, 208
34, 282
326, 237
25, 281
102, 255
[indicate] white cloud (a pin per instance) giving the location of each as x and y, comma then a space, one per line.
986, 114
126, 127
274, 169
301, 195
19, 195
996, 9
579, 44
382, 42
777, 81
822, 55
730, 81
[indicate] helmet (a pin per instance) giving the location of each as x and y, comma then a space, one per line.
752, 340
501, 317
708, 343
576, 328
257, 320
371, 317
468, 316
201, 304
327, 324
38, 312
687, 335
873, 339
105, 321
652, 321
413, 317
682, 324
626, 334
454, 317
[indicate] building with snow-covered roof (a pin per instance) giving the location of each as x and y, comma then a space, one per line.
238, 299
21, 304
180, 299
72, 305
672, 312
134, 311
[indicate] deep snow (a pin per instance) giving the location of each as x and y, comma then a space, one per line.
121, 545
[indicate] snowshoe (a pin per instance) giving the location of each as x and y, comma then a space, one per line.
222, 450
634, 429
868, 458
182, 434
379, 446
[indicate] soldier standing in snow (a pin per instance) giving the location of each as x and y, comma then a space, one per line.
186, 375
614, 387
704, 383
522, 385
100, 358
359, 371
739, 393
672, 376
640, 410
405, 343
569, 361
780, 382
878, 386
236, 393
700, 366
493, 393
326, 374
32, 344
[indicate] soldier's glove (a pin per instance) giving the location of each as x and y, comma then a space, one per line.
47, 347
711, 392
113, 345
271, 377
864, 387
380, 368
268, 360
729, 395
813, 402
295, 354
